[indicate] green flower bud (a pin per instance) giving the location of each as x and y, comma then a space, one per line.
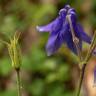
14, 52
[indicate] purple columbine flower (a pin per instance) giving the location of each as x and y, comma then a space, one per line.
61, 31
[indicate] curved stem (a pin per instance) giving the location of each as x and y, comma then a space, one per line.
18, 82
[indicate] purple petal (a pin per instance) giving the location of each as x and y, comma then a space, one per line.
56, 39
64, 30
49, 27
63, 13
53, 44
55, 25
70, 43
79, 32
71, 46
71, 11
84, 36
73, 18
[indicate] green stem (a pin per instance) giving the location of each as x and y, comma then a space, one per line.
18, 82
82, 72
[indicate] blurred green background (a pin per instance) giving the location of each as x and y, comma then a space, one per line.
40, 75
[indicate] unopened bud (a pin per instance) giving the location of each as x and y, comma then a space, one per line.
14, 52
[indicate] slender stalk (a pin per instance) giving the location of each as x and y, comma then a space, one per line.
75, 39
89, 54
82, 73
18, 82
92, 47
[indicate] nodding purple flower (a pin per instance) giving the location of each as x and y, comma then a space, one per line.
61, 31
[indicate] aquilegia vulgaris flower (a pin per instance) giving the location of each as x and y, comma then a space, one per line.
63, 29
